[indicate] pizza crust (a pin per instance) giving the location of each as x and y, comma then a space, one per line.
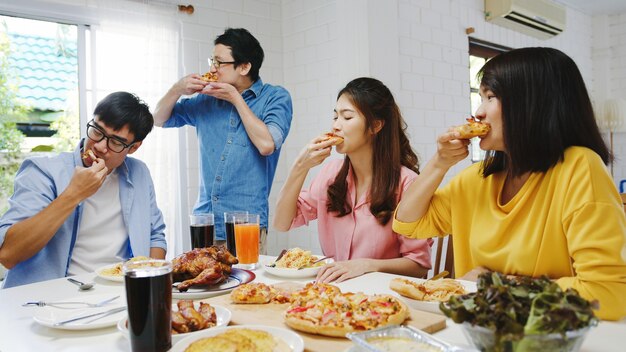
403, 287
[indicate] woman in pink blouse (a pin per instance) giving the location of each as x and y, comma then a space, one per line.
353, 199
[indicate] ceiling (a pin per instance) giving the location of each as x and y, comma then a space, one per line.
596, 7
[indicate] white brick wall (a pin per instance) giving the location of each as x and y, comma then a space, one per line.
322, 47
417, 47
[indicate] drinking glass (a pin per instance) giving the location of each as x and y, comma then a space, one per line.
229, 227
247, 240
149, 303
202, 230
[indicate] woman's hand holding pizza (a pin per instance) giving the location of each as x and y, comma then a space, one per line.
450, 149
314, 153
341, 271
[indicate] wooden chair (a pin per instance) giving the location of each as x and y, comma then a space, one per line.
444, 257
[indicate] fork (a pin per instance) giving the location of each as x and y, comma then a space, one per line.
59, 304
311, 264
277, 258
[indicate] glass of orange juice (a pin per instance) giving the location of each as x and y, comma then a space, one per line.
247, 239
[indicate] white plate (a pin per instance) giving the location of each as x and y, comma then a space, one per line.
223, 318
294, 273
116, 278
433, 306
48, 315
237, 277
293, 340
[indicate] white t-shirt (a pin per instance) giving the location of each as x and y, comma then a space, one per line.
102, 237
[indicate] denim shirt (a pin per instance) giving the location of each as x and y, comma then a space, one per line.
234, 175
42, 179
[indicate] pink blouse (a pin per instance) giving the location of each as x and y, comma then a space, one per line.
358, 234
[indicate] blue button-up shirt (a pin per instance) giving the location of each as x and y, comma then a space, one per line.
41, 179
234, 175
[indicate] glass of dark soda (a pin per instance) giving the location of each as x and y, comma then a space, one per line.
149, 303
202, 230
229, 227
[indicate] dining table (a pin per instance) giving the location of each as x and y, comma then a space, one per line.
20, 332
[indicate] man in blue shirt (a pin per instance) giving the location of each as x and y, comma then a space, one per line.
241, 123
75, 212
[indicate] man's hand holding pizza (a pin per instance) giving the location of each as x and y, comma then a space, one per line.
87, 180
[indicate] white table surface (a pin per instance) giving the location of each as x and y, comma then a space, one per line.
19, 332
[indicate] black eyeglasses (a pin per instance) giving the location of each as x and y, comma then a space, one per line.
218, 63
114, 144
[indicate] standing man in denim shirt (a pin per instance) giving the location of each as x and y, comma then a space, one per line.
241, 124
74, 212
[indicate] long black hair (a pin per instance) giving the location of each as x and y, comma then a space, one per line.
545, 110
391, 150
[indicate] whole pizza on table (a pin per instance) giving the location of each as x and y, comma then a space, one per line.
324, 310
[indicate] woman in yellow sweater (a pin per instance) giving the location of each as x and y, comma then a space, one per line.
542, 201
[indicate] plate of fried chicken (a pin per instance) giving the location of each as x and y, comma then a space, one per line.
206, 272
189, 317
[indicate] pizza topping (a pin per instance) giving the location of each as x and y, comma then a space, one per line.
472, 129
209, 77
252, 293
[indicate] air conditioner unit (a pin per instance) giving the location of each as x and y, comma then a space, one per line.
539, 18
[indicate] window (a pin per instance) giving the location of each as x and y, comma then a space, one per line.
41, 75
479, 51
39, 91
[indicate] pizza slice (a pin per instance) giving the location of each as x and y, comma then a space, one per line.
251, 293
472, 129
209, 77
430, 290
89, 156
331, 136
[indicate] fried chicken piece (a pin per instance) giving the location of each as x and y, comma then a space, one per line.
195, 321
179, 324
208, 313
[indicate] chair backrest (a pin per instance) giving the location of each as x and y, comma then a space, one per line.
444, 257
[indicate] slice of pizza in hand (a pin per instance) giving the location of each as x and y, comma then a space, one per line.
333, 137
472, 129
89, 156
209, 77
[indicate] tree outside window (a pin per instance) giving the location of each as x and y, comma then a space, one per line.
38, 93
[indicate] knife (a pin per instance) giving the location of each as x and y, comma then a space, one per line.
99, 315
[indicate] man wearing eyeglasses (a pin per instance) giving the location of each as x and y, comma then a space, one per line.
71, 214
241, 124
